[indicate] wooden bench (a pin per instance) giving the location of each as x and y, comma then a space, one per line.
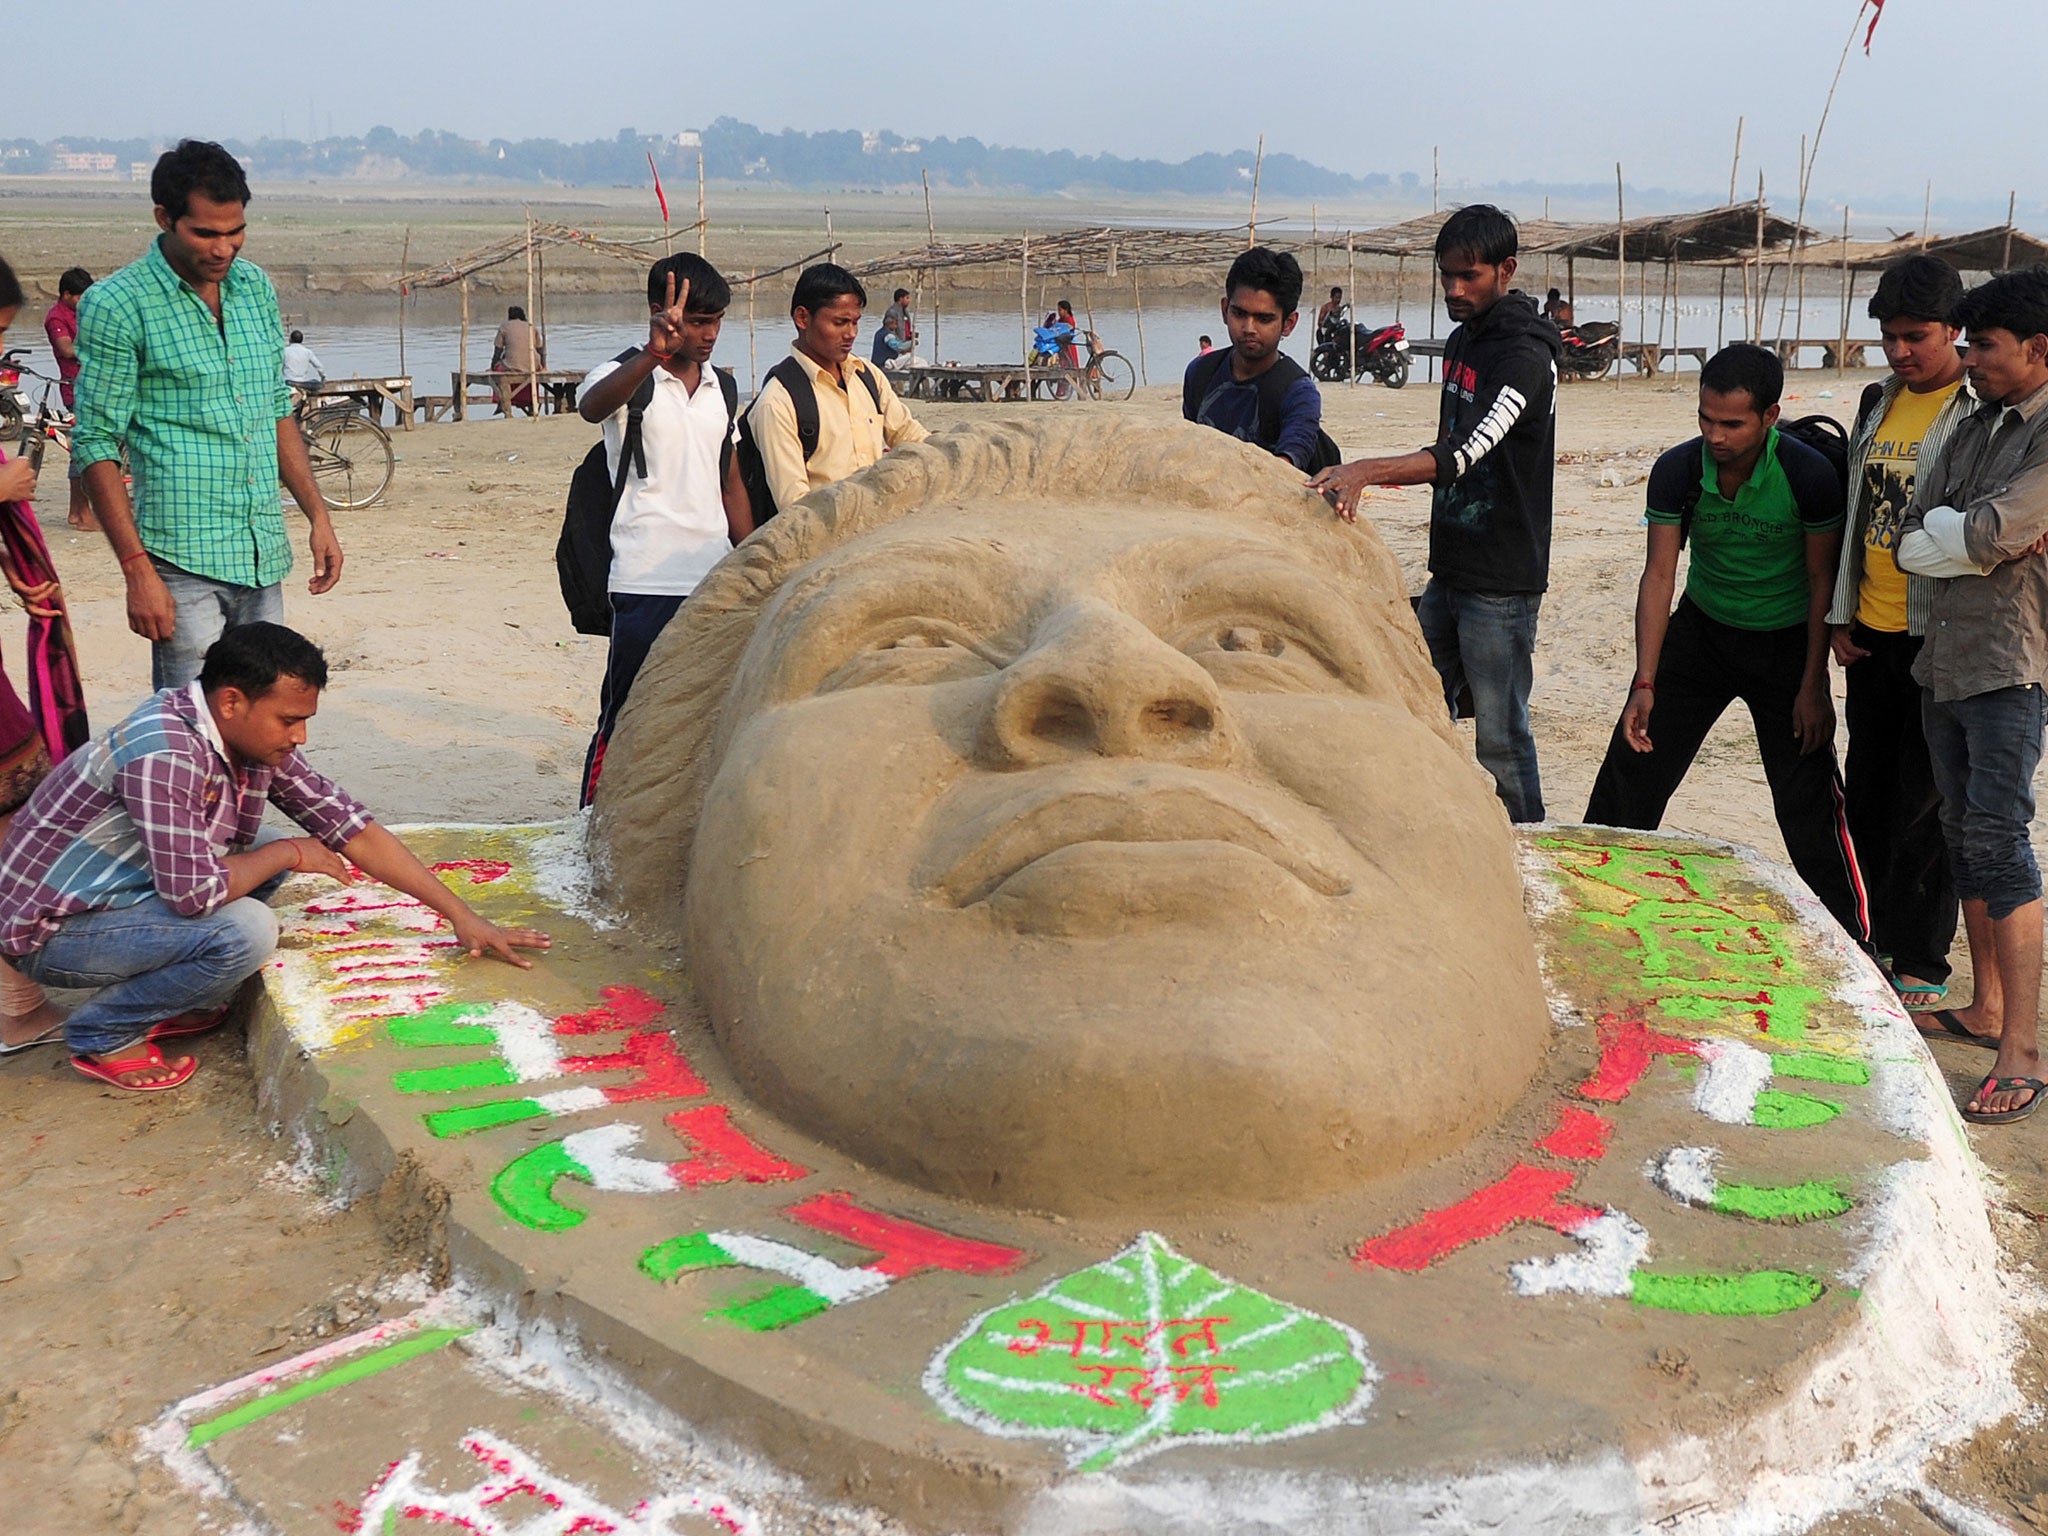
557, 389
987, 382
1834, 351
372, 394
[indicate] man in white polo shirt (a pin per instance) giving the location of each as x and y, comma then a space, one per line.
683, 504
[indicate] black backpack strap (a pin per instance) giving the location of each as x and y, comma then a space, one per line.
803, 399
1689, 503
1201, 375
729, 387
1274, 384
867, 377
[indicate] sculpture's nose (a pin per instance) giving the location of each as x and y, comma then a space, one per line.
1095, 682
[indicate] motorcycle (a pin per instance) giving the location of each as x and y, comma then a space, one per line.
14, 405
1589, 349
1383, 353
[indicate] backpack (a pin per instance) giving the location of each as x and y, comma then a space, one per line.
1823, 434
803, 397
1272, 385
583, 552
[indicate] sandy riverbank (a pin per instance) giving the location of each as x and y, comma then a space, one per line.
145, 1250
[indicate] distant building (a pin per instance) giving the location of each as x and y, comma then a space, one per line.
689, 138
76, 164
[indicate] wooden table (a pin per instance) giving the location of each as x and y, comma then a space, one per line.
1834, 351
372, 395
557, 389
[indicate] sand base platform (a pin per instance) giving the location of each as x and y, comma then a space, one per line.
1725, 1267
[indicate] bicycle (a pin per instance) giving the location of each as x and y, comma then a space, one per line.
351, 454
1105, 375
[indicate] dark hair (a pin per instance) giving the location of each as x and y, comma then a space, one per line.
2011, 301
1481, 231
252, 657
298, 336
1269, 271
1065, 306
515, 312
196, 165
1553, 294
710, 293
1205, 341
1336, 293
10, 287
1918, 288
74, 281
902, 294
820, 285
1744, 366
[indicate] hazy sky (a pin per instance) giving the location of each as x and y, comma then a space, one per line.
1953, 89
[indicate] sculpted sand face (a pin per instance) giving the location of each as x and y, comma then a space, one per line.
1098, 851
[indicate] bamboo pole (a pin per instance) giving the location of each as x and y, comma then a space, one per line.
1436, 177
2011, 205
1848, 287
753, 360
532, 335
1315, 259
1721, 310
1024, 311
462, 358
1792, 249
1138, 302
1620, 272
1351, 330
931, 239
700, 202
1400, 278
1258, 165
1756, 316
1926, 213
404, 265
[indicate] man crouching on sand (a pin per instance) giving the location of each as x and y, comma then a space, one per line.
137, 866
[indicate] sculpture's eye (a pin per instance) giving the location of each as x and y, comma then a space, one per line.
1267, 656
910, 652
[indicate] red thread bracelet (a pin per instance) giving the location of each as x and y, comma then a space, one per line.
1642, 682
140, 554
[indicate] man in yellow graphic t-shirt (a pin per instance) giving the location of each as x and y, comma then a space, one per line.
1879, 616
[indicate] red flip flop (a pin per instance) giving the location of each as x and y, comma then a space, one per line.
110, 1072
189, 1024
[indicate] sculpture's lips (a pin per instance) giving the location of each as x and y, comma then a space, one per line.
1183, 812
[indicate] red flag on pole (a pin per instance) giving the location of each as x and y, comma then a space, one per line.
1876, 14
659, 196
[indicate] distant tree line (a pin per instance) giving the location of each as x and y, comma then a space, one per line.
733, 151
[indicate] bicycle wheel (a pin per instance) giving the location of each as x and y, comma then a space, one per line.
351, 458
1112, 377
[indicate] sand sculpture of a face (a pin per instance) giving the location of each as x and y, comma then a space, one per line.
1062, 814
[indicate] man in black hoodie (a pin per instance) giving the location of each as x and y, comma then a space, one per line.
1489, 521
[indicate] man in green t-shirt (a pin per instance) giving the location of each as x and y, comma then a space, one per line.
1765, 517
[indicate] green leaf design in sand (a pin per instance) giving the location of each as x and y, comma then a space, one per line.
1146, 1351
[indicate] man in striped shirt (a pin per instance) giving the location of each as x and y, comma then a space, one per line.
182, 362
137, 867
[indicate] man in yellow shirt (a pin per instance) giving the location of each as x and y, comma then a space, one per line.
855, 422
1879, 618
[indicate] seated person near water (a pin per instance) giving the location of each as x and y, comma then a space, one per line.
1333, 308
302, 370
138, 867
1557, 309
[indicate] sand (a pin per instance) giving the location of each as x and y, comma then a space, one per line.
146, 1246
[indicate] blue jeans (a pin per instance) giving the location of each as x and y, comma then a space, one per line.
638, 618
1984, 750
1486, 641
205, 609
149, 965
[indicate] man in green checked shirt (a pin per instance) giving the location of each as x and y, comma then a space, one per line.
182, 360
